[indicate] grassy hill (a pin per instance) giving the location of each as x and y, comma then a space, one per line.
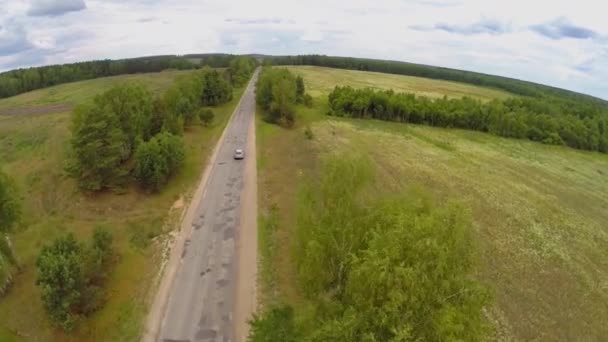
539, 212
33, 150
321, 80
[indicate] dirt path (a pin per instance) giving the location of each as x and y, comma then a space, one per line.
247, 244
38, 110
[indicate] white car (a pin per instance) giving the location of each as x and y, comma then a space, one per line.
239, 154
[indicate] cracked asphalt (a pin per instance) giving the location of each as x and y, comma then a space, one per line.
202, 299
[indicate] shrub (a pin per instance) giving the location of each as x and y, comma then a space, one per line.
308, 133
275, 324
71, 276
206, 116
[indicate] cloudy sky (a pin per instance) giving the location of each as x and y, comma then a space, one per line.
561, 43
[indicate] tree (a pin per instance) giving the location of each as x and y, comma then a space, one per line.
157, 159
151, 169
99, 147
132, 103
71, 276
276, 94
240, 70
215, 90
300, 88
60, 277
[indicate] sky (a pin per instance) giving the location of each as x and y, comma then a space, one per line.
555, 42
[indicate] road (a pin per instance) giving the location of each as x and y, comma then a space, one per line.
202, 297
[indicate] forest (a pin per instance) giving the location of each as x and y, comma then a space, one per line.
23, 80
519, 117
511, 85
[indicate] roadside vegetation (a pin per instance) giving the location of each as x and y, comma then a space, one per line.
71, 276
367, 267
127, 123
277, 93
146, 153
528, 217
10, 212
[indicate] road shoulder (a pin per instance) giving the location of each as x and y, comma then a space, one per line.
247, 243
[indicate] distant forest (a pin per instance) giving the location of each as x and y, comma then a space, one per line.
19, 81
541, 113
511, 85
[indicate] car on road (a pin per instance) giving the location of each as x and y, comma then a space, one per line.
239, 154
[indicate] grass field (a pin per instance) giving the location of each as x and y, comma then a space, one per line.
33, 151
539, 211
320, 80
77, 92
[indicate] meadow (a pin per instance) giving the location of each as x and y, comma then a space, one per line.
539, 212
320, 81
34, 151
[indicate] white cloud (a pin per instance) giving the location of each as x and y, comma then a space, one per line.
480, 35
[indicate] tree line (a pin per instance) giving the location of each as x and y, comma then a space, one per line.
519, 87
376, 269
23, 80
278, 91
126, 132
521, 117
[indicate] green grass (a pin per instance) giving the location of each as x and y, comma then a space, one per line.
320, 81
33, 151
539, 211
77, 92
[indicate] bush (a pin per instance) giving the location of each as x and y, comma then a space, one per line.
206, 116
307, 100
10, 208
158, 159
308, 133
71, 277
275, 324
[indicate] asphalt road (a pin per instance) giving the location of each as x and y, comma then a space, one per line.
202, 298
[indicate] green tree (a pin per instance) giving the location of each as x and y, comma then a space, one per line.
276, 94
61, 280
240, 70
300, 90
99, 147
132, 103
157, 159
71, 276
151, 169
215, 89
173, 150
